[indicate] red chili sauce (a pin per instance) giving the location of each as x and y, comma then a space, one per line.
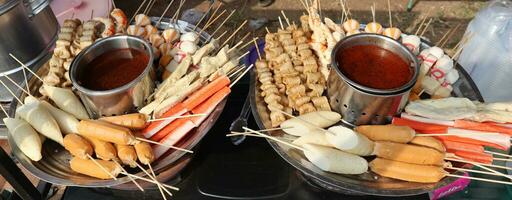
113, 69
374, 67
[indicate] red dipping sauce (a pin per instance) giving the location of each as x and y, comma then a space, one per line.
374, 67
113, 69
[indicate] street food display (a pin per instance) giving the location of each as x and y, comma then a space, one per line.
430, 143
195, 74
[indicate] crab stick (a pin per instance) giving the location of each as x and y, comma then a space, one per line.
77, 146
471, 141
333, 160
67, 101
173, 137
474, 156
478, 126
144, 152
209, 105
127, 155
41, 119
103, 150
490, 137
453, 146
25, 137
106, 132
169, 128
409, 153
429, 142
206, 92
406, 171
134, 121
392, 133
420, 126
154, 127
91, 168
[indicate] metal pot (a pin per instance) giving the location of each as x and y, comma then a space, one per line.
121, 100
29, 30
364, 105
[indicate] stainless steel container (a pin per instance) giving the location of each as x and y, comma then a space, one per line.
121, 100
364, 105
29, 30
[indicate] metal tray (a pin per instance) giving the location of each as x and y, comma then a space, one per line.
54, 167
368, 183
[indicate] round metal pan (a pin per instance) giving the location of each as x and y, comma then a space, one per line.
54, 167
368, 183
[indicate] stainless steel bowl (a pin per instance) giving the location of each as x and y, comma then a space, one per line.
121, 100
360, 104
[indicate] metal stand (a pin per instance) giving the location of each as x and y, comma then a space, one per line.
13, 175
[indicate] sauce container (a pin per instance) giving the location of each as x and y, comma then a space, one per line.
359, 103
118, 58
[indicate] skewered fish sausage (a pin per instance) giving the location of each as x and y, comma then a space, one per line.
144, 153
317, 138
349, 141
106, 132
77, 146
321, 119
104, 150
391, 133
134, 121
407, 171
127, 155
409, 153
90, 168
336, 161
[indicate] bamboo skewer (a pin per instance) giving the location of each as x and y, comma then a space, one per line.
390, 18
426, 27
163, 14
475, 163
175, 117
151, 181
24, 66
201, 19
223, 22
137, 11
423, 21
257, 48
242, 75
157, 183
213, 15
114, 4
471, 170
239, 43
4, 111
101, 166
129, 177
499, 154
154, 176
280, 22
209, 23
480, 179
273, 138
162, 144
221, 35
248, 43
438, 43
177, 13
147, 6
286, 18
17, 85
234, 33
11, 92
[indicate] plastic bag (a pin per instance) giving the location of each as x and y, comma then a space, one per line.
487, 56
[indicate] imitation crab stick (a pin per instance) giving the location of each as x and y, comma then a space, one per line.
206, 92
471, 141
420, 126
173, 137
478, 126
156, 126
209, 105
475, 157
168, 129
453, 146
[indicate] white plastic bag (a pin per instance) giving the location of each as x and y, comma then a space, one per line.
487, 56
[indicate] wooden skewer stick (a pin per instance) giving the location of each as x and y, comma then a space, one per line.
101, 166
162, 144
243, 55
475, 163
472, 170
11, 92
273, 138
157, 183
114, 4
257, 48
163, 14
426, 27
234, 133
242, 75
248, 43
262, 130
3, 110
390, 18
223, 22
147, 6
484, 167
24, 66
137, 11
499, 154
235, 72
373, 11
150, 7
151, 181
221, 35
154, 176
177, 13
129, 177
286, 18
480, 179
234, 33
239, 43
175, 117
213, 15
303, 4
443, 38
202, 18
280, 22
266, 28
502, 159
209, 23
423, 21
17, 85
